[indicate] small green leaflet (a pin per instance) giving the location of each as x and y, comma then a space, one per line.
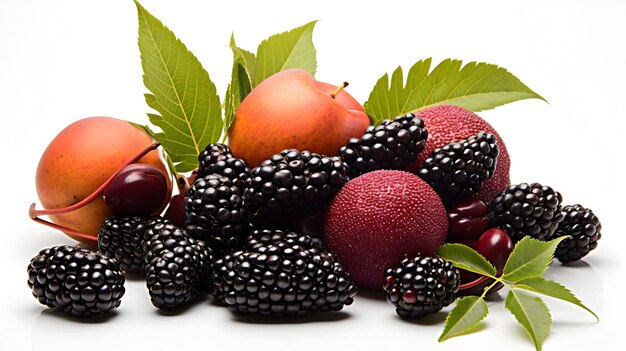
239, 86
530, 257
245, 57
467, 313
475, 86
532, 313
292, 49
190, 112
465, 257
551, 288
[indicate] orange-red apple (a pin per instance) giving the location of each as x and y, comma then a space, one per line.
82, 157
290, 109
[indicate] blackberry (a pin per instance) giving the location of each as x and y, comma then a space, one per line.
79, 282
212, 154
526, 209
458, 170
214, 213
292, 183
391, 145
177, 266
421, 286
262, 237
122, 238
218, 159
584, 227
282, 279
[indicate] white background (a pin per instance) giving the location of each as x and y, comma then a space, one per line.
64, 60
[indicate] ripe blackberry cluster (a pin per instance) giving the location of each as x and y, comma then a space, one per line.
526, 209
177, 266
262, 237
79, 282
214, 213
282, 277
421, 286
122, 238
584, 228
458, 170
292, 183
218, 159
394, 144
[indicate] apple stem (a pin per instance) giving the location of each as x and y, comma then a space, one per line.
34, 213
339, 89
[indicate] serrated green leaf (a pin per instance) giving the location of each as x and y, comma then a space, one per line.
239, 86
551, 288
292, 49
530, 258
182, 93
475, 86
467, 313
245, 57
237, 90
464, 257
532, 313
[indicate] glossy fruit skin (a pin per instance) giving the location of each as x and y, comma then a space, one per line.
447, 123
138, 189
290, 109
496, 246
467, 220
82, 157
175, 212
378, 218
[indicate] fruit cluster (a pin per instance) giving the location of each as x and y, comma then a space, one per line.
388, 199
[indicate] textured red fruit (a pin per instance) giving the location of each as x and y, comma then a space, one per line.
447, 123
378, 218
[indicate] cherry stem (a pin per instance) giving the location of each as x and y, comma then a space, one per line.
473, 283
33, 213
339, 89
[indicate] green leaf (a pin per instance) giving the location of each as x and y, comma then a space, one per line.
475, 86
465, 257
467, 313
182, 93
239, 86
532, 313
245, 57
530, 258
551, 288
292, 49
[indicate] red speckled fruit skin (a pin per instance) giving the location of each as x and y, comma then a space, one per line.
378, 218
447, 123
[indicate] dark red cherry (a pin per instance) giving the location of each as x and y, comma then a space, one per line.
176, 211
467, 220
496, 246
138, 189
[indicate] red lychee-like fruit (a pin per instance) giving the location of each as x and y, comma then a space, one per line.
447, 123
379, 218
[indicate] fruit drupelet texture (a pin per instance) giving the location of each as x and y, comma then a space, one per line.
526, 209
584, 228
79, 282
292, 183
279, 274
177, 266
458, 170
218, 159
420, 286
394, 144
447, 123
214, 213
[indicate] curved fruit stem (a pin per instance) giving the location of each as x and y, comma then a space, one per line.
34, 213
473, 283
339, 89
